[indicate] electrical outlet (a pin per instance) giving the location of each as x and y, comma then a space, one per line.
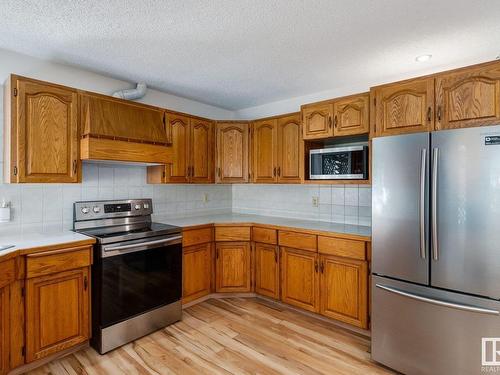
205, 197
315, 201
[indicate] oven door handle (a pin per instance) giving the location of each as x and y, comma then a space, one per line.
108, 251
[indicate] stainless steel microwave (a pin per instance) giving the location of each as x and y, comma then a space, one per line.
339, 163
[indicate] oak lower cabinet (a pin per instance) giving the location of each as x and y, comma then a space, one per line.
57, 312
233, 267
197, 271
4, 329
41, 132
267, 270
344, 289
300, 278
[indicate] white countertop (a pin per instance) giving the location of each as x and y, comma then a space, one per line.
324, 226
31, 240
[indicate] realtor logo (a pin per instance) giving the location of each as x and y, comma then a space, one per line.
490, 351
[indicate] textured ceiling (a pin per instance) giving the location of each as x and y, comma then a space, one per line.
241, 53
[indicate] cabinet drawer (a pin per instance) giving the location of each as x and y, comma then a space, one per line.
232, 234
264, 235
197, 236
342, 248
7, 272
48, 262
297, 240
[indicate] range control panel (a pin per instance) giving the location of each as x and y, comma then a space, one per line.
92, 210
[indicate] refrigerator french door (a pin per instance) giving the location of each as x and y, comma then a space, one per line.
436, 250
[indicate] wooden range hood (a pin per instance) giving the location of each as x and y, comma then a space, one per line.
123, 131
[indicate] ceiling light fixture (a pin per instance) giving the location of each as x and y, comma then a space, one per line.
423, 58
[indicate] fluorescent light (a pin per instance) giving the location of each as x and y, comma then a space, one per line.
423, 58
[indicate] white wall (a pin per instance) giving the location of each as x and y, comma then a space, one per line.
12, 62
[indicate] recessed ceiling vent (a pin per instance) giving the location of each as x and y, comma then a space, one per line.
132, 94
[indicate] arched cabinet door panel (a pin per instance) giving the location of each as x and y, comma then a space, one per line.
264, 151
404, 107
317, 120
469, 97
232, 152
44, 132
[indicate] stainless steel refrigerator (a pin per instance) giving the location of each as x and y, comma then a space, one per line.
436, 251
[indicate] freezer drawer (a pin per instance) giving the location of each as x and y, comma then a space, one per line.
420, 330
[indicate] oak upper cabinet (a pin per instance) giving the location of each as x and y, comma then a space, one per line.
193, 149
232, 152
267, 270
351, 115
468, 97
264, 151
405, 107
344, 289
57, 312
290, 149
178, 171
197, 270
317, 120
300, 278
232, 267
201, 168
41, 132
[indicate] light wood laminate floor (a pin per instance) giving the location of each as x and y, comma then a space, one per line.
232, 336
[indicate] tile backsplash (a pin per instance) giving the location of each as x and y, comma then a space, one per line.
49, 207
349, 204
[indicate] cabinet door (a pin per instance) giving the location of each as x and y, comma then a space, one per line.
300, 278
317, 120
232, 152
180, 133
202, 151
290, 149
232, 267
350, 115
4, 329
46, 127
469, 97
197, 269
344, 290
267, 270
264, 151
405, 107
57, 312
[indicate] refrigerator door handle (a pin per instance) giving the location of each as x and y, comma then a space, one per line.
422, 203
438, 302
435, 243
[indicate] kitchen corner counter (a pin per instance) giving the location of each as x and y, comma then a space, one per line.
319, 227
34, 242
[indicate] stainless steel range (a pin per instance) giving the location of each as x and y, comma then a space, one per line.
137, 270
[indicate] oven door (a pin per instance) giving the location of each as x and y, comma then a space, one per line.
139, 276
340, 163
